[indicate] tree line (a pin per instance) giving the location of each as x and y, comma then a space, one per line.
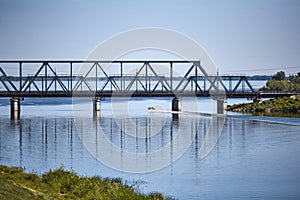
280, 82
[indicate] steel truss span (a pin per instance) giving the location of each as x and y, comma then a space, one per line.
103, 78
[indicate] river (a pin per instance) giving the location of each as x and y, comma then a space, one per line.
251, 156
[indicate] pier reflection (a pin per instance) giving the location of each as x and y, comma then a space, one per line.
36, 141
140, 134
51, 141
249, 148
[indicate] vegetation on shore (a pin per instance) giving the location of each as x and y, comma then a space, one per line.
63, 184
283, 105
280, 82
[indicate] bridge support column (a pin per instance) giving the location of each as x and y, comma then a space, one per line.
96, 107
15, 108
221, 106
176, 104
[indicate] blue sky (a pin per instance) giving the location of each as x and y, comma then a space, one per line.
239, 35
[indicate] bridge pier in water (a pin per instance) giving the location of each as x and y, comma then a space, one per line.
15, 108
221, 106
96, 107
176, 104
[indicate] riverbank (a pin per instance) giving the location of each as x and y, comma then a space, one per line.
283, 105
63, 184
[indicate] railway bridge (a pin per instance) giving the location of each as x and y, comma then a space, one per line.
98, 79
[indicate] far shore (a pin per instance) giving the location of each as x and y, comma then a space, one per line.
284, 107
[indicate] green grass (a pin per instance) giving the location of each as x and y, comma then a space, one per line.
11, 190
62, 184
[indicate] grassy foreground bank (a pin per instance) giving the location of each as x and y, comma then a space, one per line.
61, 184
282, 105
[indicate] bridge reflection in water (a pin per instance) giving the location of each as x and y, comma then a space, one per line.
48, 142
250, 154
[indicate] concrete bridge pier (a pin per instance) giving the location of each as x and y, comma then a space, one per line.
221, 106
176, 104
15, 108
96, 107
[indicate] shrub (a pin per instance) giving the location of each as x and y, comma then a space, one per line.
63, 184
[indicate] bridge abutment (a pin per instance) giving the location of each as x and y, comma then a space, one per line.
15, 108
176, 104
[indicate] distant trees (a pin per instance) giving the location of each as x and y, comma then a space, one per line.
295, 78
278, 85
279, 76
279, 82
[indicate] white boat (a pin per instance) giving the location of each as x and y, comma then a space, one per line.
153, 109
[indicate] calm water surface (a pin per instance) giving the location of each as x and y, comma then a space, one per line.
255, 157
